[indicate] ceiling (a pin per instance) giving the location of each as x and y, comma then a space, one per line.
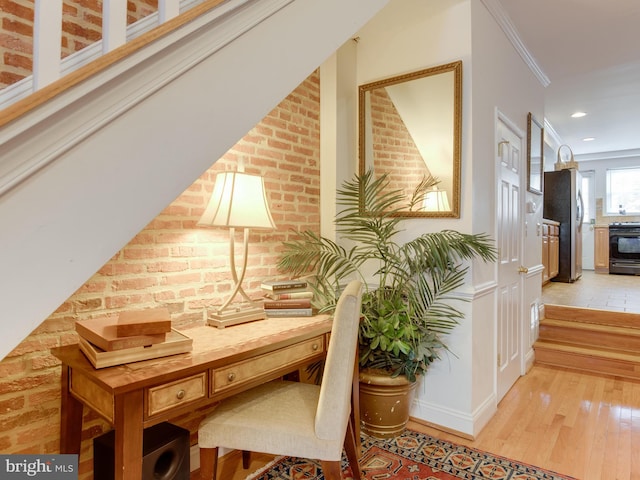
590, 52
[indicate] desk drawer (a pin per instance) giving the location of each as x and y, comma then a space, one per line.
281, 361
174, 394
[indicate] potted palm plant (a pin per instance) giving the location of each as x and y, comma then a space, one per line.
406, 307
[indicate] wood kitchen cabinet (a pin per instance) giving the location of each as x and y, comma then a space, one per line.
554, 252
601, 250
550, 250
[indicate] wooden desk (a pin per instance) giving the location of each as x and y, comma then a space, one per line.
222, 363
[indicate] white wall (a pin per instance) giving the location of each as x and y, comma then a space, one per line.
459, 392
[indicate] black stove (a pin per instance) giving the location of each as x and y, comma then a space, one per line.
625, 224
624, 248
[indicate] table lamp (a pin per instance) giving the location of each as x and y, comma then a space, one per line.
239, 200
436, 201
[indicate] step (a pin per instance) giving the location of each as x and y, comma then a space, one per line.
588, 358
591, 334
592, 315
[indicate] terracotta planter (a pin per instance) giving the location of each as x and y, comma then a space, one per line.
384, 403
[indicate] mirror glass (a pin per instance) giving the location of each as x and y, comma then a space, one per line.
535, 148
410, 128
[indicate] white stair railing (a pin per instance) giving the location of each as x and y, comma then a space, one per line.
47, 34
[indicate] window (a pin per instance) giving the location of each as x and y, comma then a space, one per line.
623, 194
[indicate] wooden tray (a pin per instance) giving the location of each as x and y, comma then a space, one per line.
175, 343
151, 321
102, 333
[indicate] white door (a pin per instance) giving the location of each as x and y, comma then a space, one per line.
509, 242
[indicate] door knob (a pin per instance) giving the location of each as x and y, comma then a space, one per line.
523, 269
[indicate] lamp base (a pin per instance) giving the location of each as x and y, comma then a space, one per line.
235, 316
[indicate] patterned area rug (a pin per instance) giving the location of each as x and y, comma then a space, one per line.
412, 456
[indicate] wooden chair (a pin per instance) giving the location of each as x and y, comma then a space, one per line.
291, 418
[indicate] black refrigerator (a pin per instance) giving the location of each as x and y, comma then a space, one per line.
563, 203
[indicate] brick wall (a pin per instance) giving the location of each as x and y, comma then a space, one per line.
81, 26
171, 263
394, 150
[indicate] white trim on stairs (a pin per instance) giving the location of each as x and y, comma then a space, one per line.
227, 22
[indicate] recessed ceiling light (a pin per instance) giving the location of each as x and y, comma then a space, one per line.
578, 115
588, 139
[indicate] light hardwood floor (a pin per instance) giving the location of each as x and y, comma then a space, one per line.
578, 424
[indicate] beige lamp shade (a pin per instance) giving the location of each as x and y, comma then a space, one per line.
436, 201
239, 200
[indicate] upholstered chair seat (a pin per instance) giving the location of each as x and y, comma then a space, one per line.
293, 418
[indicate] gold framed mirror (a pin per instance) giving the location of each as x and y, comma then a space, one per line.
410, 128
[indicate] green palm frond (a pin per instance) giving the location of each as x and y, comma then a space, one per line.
421, 190
413, 304
376, 224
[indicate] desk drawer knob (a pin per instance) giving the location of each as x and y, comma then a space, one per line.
180, 395
315, 347
231, 377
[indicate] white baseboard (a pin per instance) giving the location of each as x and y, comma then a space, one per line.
455, 420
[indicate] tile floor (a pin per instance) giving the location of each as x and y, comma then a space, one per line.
595, 290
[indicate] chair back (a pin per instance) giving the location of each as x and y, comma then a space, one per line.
334, 404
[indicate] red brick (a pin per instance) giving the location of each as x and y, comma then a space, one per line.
51, 395
163, 296
285, 149
174, 266
34, 344
22, 9
117, 301
28, 382
79, 31
16, 60
144, 253
140, 299
87, 304
93, 287
55, 325
7, 78
17, 27
128, 269
10, 405
68, 9
34, 435
189, 252
134, 283
181, 279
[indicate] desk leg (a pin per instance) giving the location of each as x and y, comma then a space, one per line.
70, 417
129, 432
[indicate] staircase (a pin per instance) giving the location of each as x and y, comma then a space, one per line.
90, 165
597, 341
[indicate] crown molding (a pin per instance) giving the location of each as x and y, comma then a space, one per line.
551, 134
500, 15
608, 155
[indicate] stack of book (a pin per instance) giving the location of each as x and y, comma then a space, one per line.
287, 298
130, 337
